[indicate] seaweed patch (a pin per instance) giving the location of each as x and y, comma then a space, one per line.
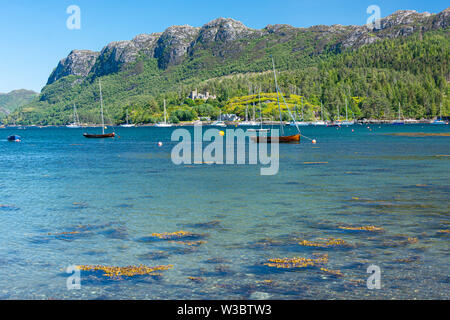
129, 271
298, 262
325, 243
363, 228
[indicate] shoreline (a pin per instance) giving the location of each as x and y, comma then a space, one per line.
237, 124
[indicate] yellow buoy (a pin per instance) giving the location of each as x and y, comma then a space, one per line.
222, 133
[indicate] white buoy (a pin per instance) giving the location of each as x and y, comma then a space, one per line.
160, 144
314, 141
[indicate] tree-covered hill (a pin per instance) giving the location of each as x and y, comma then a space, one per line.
15, 99
405, 62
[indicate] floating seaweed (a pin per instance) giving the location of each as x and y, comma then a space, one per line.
75, 232
363, 228
336, 273
355, 282
298, 262
129, 271
174, 235
327, 243
196, 279
409, 259
190, 243
446, 231
402, 242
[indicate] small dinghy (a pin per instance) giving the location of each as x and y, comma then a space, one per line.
14, 138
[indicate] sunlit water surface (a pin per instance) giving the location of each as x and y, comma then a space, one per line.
108, 196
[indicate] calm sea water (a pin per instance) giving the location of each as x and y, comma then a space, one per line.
108, 196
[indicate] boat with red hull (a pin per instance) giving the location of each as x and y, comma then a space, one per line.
282, 139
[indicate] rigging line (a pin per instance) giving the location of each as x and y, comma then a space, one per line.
287, 107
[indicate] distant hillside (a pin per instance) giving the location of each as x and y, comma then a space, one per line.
406, 62
15, 99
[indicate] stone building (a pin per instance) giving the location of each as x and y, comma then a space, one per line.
195, 95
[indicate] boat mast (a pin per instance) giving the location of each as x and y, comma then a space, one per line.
346, 114
321, 109
253, 103
165, 112
101, 107
278, 97
260, 112
303, 118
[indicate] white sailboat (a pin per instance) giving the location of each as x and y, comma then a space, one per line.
400, 121
247, 122
219, 122
347, 122
261, 129
127, 124
439, 120
320, 122
103, 135
164, 124
76, 121
299, 123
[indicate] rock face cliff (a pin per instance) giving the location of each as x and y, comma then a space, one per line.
78, 62
226, 37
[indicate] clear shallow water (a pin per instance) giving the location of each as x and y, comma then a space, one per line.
122, 190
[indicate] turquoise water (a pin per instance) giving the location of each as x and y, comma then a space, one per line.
108, 196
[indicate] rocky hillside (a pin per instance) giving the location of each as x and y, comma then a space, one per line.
226, 38
15, 99
405, 61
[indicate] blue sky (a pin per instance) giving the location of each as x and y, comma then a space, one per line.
34, 35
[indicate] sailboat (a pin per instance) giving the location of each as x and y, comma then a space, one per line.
76, 120
219, 122
127, 124
299, 123
260, 117
347, 122
338, 122
282, 138
399, 121
320, 122
164, 124
248, 122
103, 135
439, 120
